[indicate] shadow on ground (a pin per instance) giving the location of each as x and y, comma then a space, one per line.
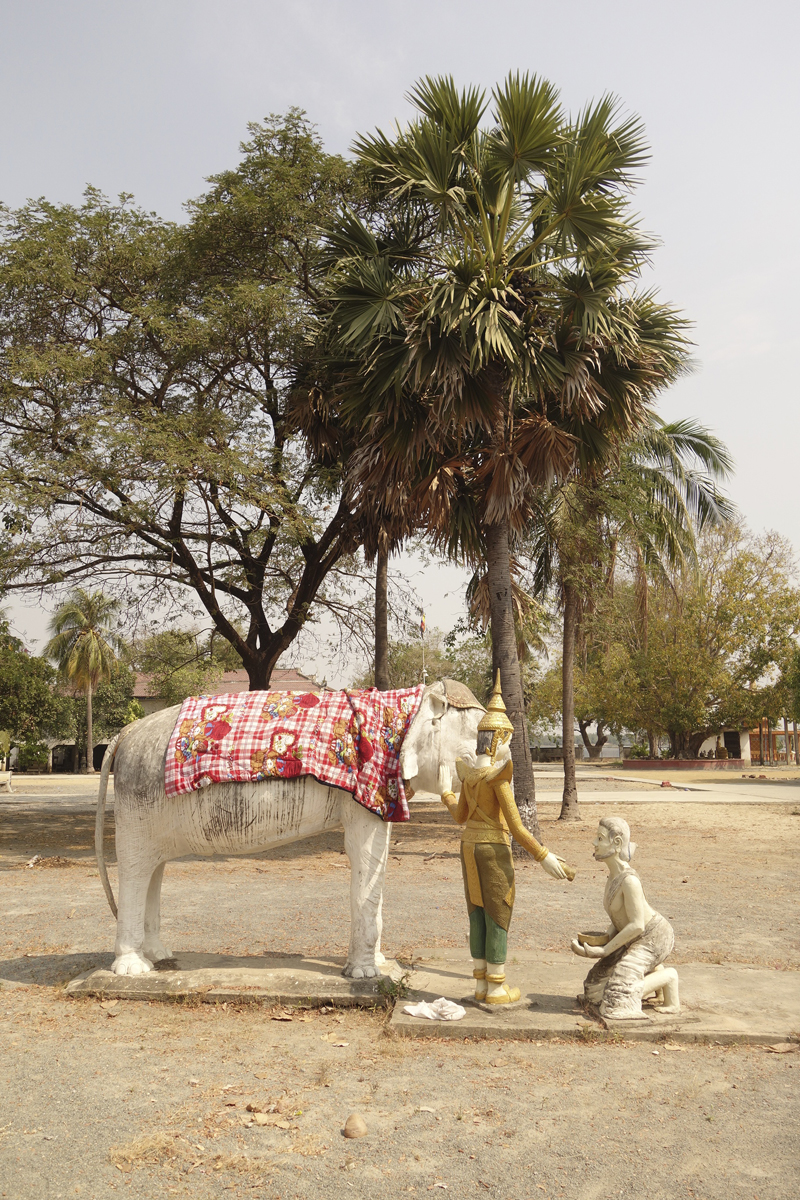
51, 970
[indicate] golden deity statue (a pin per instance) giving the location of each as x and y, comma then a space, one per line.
487, 810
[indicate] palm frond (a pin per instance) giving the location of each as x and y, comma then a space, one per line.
529, 120
438, 98
84, 645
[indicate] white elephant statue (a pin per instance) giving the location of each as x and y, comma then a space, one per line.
248, 818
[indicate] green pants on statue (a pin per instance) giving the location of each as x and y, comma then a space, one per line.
486, 939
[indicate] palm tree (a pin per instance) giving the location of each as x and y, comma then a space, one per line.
329, 441
382, 533
485, 302
650, 502
84, 647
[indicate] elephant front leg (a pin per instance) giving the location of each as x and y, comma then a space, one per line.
366, 841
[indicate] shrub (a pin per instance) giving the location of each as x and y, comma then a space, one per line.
638, 750
33, 756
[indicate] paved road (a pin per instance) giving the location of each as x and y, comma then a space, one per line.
77, 793
61, 793
779, 790
728, 791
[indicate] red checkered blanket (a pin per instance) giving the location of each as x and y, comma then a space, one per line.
350, 740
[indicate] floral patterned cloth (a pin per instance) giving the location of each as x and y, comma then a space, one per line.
349, 740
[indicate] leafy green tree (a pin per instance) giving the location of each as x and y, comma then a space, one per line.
487, 303
792, 685
406, 659
600, 682
459, 655
645, 503
183, 662
159, 423
720, 637
602, 677
31, 706
84, 645
792, 691
470, 653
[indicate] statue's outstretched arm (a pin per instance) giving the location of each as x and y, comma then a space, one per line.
552, 864
511, 813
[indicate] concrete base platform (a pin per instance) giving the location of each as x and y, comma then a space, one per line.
220, 978
723, 1004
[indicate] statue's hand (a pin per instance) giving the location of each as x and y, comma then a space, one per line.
553, 867
593, 951
445, 780
585, 951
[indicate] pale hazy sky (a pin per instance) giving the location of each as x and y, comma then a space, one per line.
150, 97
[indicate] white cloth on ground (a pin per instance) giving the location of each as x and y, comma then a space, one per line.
440, 1010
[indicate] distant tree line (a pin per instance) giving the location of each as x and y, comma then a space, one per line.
711, 647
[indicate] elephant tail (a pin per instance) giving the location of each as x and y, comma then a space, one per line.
100, 821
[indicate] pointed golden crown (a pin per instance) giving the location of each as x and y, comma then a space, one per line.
495, 719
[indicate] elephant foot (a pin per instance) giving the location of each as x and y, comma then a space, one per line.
380, 959
131, 964
154, 950
364, 972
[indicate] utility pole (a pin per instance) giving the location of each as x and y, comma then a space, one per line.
422, 637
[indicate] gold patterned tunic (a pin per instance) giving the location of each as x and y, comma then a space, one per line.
489, 814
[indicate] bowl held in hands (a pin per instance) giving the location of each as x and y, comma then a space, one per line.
594, 938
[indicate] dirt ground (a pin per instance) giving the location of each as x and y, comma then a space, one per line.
146, 1100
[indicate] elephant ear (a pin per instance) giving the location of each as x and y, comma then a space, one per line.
437, 697
409, 764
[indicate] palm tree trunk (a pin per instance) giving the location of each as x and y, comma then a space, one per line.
569, 803
382, 621
89, 734
506, 660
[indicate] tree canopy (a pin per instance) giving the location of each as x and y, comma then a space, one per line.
113, 707
458, 655
182, 662
31, 706
488, 305
151, 433
719, 651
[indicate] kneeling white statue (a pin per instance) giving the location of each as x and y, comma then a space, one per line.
633, 948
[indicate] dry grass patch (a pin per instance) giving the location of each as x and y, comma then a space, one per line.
53, 861
151, 1150
174, 1150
